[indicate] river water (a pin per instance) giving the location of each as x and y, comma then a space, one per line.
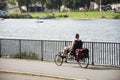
100, 30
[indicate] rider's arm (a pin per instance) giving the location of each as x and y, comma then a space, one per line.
72, 47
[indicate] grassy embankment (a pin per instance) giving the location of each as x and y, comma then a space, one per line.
87, 14
90, 14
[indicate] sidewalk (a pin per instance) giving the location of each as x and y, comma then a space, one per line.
16, 76
66, 71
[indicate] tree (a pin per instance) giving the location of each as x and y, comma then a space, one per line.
75, 4
20, 3
55, 4
59, 3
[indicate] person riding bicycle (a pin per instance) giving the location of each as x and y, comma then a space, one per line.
77, 44
75, 52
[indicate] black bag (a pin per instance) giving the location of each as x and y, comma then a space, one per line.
85, 53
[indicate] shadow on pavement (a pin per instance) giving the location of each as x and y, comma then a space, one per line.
97, 67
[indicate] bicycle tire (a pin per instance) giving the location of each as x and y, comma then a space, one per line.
58, 60
83, 62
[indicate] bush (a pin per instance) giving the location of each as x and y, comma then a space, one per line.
50, 16
117, 16
15, 15
25, 55
63, 16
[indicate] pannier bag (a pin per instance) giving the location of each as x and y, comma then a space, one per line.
80, 53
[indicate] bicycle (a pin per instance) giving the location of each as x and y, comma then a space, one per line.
82, 57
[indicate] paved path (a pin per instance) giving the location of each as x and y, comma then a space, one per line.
9, 76
67, 71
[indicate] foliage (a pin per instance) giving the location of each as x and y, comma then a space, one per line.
117, 16
16, 15
63, 16
25, 55
55, 4
50, 16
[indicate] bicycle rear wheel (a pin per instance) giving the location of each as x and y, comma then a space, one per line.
58, 59
84, 62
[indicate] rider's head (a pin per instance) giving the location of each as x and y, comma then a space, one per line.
76, 36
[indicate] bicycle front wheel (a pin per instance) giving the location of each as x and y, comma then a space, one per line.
58, 59
83, 62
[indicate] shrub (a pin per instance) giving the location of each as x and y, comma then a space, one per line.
16, 15
63, 16
25, 55
117, 16
50, 16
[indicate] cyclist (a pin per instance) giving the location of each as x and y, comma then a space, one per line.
77, 44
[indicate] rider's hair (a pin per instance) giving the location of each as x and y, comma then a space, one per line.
77, 35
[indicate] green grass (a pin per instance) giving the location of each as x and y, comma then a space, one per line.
37, 14
89, 14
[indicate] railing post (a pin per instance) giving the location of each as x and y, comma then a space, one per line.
41, 50
65, 43
92, 54
0, 49
119, 54
20, 49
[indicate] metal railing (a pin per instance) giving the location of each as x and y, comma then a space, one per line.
100, 53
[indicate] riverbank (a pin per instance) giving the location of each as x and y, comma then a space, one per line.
87, 14
73, 15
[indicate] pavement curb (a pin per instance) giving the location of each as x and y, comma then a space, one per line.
39, 75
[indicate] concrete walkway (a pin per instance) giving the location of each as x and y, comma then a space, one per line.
66, 71
10, 76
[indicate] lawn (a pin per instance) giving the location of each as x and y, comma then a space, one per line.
89, 14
